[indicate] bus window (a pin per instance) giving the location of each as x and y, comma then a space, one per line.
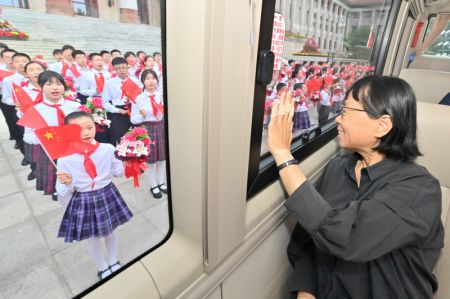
441, 44
321, 48
63, 235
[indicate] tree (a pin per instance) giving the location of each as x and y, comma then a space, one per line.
357, 37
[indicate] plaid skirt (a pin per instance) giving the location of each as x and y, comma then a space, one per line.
45, 172
158, 140
94, 214
336, 107
301, 120
31, 152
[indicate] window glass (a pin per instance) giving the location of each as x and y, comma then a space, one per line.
75, 39
441, 46
322, 57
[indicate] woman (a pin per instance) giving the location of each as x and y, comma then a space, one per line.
371, 228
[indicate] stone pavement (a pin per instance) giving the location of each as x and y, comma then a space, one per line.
34, 262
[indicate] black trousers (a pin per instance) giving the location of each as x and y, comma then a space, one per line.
5, 115
119, 126
324, 113
16, 131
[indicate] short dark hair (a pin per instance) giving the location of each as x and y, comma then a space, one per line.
156, 53
78, 52
118, 60
56, 51
382, 95
18, 54
92, 55
7, 50
33, 62
47, 76
280, 86
102, 52
297, 86
146, 72
115, 50
3, 45
291, 61
75, 115
128, 54
139, 52
67, 47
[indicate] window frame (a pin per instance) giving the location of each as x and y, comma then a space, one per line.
138, 258
262, 170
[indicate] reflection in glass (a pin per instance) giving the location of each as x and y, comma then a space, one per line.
30, 250
327, 46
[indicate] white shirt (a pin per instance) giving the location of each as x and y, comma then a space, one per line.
132, 71
7, 87
50, 115
88, 85
106, 163
325, 97
112, 94
143, 102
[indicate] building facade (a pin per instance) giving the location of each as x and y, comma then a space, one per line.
125, 11
329, 21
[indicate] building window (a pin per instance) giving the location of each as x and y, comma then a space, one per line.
85, 7
15, 3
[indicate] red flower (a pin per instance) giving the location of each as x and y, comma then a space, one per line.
129, 137
84, 109
146, 141
97, 102
139, 131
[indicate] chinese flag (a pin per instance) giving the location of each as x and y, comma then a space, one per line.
131, 90
21, 96
4, 74
32, 119
61, 141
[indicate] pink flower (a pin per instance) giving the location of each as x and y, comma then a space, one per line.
139, 131
129, 136
146, 141
84, 109
97, 102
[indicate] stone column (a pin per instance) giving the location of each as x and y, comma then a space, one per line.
303, 25
318, 14
59, 7
129, 11
155, 12
295, 22
310, 18
323, 44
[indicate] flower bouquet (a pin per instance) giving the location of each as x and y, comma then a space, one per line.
95, 105
134, 150
71, 93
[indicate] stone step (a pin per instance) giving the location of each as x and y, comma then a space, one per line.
49, 31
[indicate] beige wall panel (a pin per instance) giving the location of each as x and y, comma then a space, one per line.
429, 86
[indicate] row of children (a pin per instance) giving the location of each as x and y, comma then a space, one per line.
316, 86
93, 207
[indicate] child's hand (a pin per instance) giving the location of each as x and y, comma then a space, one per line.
123, 112
143, 112
64, 178
18, 107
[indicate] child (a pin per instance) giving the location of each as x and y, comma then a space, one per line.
32, 70
114, 101
149, 112
325, 103
53, 109
96, 207
19, 60
301, 116
338, 97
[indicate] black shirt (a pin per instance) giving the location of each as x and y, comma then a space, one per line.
380, 240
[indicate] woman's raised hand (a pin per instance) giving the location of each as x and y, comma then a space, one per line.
280, 127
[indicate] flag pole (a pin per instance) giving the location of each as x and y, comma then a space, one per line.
50, 158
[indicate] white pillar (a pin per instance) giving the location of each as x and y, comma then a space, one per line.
295, 22
310, 18
318, 14
303, 25
323, 44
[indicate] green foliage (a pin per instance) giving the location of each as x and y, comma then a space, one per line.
295, 35
357, 37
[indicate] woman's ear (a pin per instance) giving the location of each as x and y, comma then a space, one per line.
384, 126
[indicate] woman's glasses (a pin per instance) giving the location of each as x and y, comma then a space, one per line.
345, 108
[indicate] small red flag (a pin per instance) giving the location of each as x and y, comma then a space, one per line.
4, 74
131, 90
61, 141
21, 96
32, 119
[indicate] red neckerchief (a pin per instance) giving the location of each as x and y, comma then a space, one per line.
65, 67
155, 106
89, 165
74, 70
99, 81
60, 114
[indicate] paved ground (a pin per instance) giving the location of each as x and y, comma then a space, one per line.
36, 264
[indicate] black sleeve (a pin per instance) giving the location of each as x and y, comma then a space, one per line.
300, 253
399, 214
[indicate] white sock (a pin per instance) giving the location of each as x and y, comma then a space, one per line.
112, 244
96, 254
151, 174
161, 172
